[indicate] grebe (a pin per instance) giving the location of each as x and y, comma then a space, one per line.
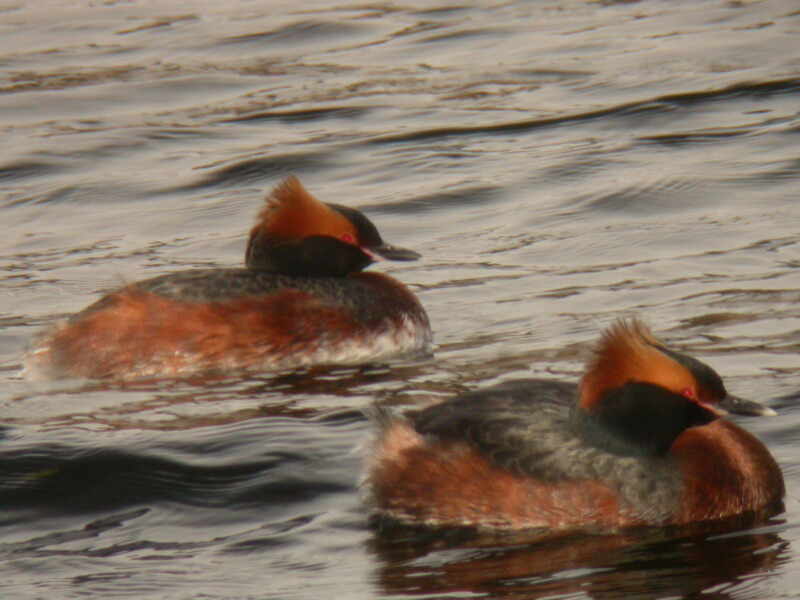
639, 442
302, 299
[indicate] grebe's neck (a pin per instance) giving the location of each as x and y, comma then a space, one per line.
316, 256
639, 419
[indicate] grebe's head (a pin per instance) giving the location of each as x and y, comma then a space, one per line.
298, 235
645, 394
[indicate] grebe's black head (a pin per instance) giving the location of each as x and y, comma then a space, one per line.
637, 396
298, 235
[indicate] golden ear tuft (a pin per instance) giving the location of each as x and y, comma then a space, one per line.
291, 212
627, 351
631, 334
290, 190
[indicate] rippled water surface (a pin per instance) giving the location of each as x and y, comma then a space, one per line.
558, 164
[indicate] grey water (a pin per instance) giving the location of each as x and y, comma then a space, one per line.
558, 164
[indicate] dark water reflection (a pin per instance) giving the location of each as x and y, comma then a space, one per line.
643, 564
558, 164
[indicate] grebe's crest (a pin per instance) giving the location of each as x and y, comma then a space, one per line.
291, 212
628, 351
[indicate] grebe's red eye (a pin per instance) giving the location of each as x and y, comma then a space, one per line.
688, 393
348, 238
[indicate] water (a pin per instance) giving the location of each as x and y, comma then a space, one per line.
558, 164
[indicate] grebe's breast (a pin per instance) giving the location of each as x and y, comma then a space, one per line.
727, 471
